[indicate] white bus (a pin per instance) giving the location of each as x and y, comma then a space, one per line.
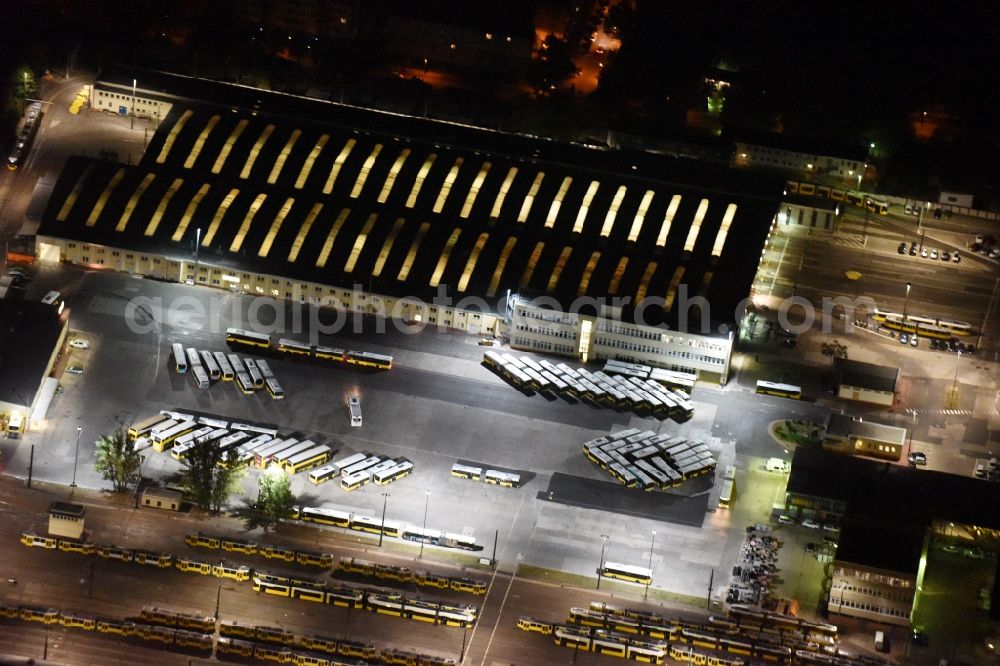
627, 572
224, 367
323, 474
194, 360
210, 365
234, 360
244, 382
54, 298
200, 376
274, 388
163, 438
265, 369
393, 473
344, 463
143, 427
358, 466
258, 379
505, 479
180, 359
354, 404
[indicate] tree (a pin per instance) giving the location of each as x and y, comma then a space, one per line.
210, 476
551, 65
23, 85
117, 460
275, 502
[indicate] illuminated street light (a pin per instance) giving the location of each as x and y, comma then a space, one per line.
381, 532
651, 542
76, 456
600, 569
427, 499
906, 301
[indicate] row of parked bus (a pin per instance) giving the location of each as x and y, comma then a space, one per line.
288, 347
361, 468
389, 528
247, 640
229, 545
646, 460
377, 601
492, 476
673, 379
250, 375
417, 577
599, 388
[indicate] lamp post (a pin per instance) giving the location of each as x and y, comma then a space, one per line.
131, 115
76, 455
954, 384
906, 301
427, 499
381, 531
651, 542
600, 568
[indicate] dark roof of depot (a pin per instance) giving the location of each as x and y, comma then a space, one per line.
28, 336
67, 510
810, 202
892, 493
866, 375
807, 145
336, 195
882, 545
842, 425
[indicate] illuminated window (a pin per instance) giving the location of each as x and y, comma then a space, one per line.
529, 269
324, 254
470, 265
220, 212
699, 216
365, 170
133, 200
529, 199
418, 183
550, 219
337, 165
293, 254
95, 212
501, 264
558, 268
200, 142
609, 219
265, 247
387, 247
640, 216
241, 234
470, 200
404, 271
310, 160
720, 238
504, 188
449, 180
255, 151
587, 272
390, 180
154, 221
189, 213
668, 219
228, 147
443, 259
168, 143
359, 243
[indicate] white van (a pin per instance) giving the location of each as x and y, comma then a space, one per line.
881, 642
777, 465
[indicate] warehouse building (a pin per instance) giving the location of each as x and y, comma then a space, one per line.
866, 382
451, 230
853, 435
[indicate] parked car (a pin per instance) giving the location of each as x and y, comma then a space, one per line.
829, 527
811, 547
945, 255
904, 338
957, 258
786, 520
913, 249
810, 524
924, 253
79, 343
934, 343
934, 254
902, 248
75, 369
913, 341
917, 458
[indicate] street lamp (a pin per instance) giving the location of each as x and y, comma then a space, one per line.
381, 531
651, 542
76, 455
906, 301
600, 568
427, 499
954, 384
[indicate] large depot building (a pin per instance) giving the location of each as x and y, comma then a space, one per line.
300, 199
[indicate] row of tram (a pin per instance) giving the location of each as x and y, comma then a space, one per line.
851, 198
389, 528
746, 636
292, 348
922, 326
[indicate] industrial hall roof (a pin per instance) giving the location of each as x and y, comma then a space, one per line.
337, 195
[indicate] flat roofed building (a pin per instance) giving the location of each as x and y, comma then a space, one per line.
803, 155
866, 382
162, 498
66, 520
855, 436
31, 339
808, 213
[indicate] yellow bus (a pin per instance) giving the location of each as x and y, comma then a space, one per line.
627, 572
